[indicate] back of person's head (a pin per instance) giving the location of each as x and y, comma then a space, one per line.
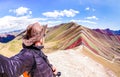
34, 32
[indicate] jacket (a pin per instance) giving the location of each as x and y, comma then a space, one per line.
30, 59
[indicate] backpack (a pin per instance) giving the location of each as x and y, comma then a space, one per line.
31, 72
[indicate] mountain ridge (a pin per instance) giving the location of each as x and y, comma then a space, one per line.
16, 33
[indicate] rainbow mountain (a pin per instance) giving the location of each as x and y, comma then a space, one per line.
70, 35
102, 46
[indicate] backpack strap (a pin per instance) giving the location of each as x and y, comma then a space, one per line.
31, 72
43, 56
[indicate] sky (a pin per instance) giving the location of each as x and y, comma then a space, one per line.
18, 14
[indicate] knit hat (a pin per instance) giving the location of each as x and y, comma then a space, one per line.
34, 33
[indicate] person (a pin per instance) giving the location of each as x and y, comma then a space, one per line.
30, 59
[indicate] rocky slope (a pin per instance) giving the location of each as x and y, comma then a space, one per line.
72, 63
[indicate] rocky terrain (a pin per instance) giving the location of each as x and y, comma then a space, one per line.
72, 63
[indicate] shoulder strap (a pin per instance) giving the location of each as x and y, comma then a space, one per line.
44, 57
31, 72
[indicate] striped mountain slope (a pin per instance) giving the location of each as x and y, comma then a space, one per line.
70, 35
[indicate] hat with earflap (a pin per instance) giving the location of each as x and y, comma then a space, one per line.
34, 32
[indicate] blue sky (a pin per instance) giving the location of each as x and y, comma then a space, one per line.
17, 14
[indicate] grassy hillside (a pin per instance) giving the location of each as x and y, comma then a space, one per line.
11, 48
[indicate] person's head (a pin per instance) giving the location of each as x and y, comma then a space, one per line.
34, 33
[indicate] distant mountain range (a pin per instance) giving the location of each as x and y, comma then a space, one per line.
108, 31
116, 32
8, 36
4, 38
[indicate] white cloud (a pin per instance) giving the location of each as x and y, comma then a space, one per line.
51, 22
87, 8
21, 11
90, 9
92, 17
84, 21
10, 23
16, 23
56, 13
